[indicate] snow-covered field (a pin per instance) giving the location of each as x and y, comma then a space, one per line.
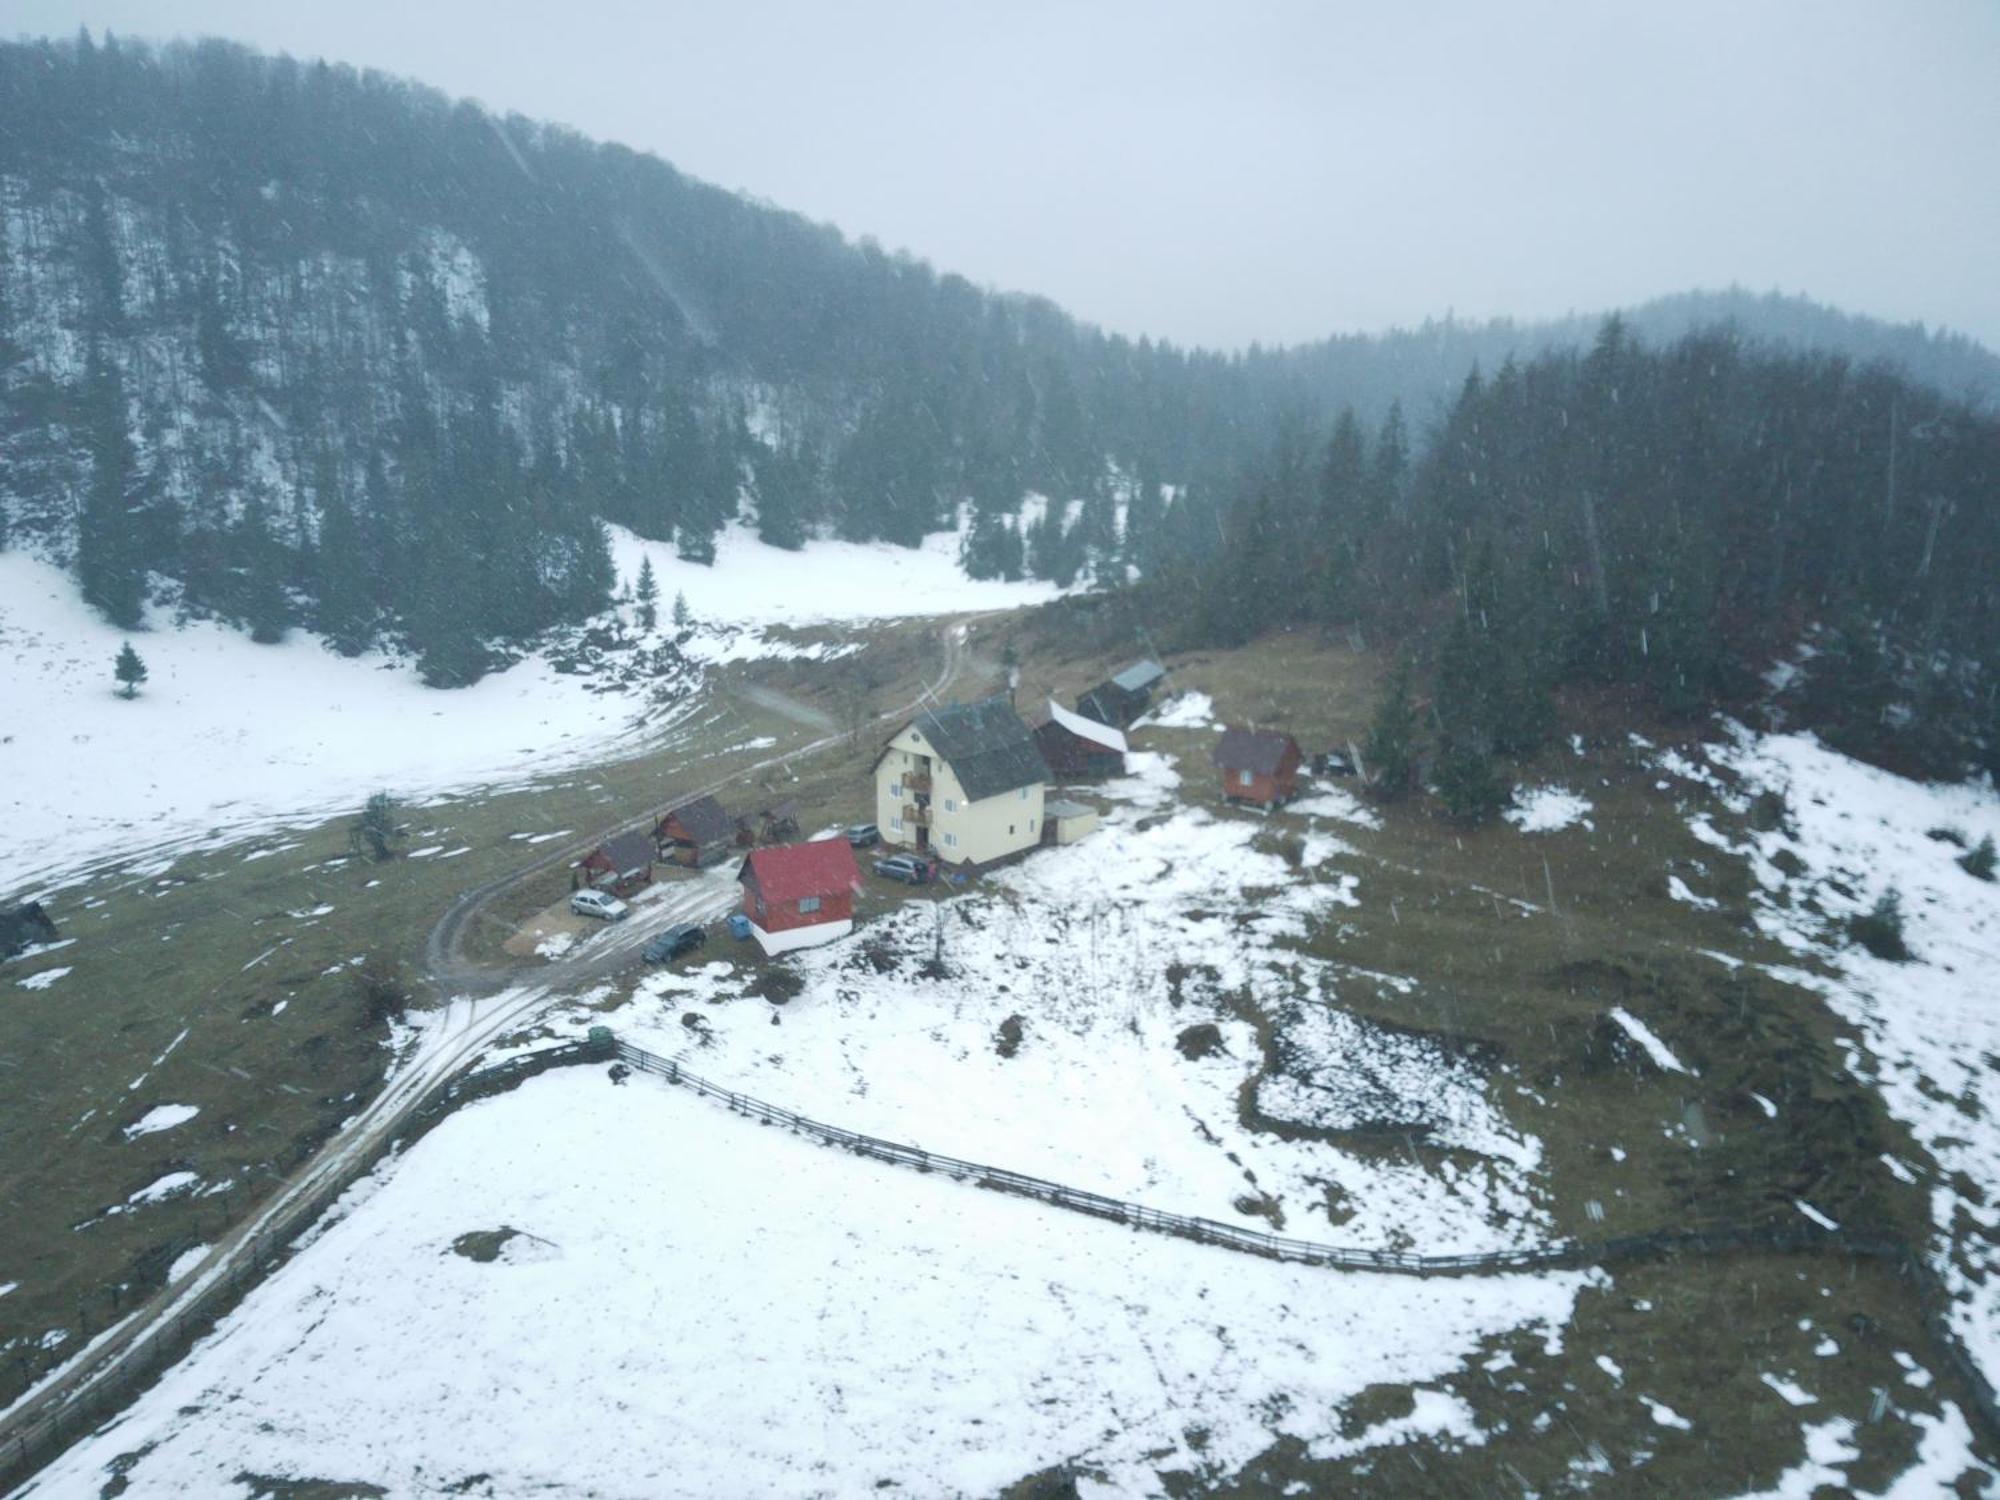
227, 737
1108, 956
1931, 1025
826, 581
694, 1305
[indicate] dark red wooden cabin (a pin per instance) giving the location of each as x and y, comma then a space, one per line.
1258, 765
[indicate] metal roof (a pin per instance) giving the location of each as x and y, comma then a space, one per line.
1087, 729
704, 820
627, 852
986, 745
1062, 807
1139, 676
1258, 751
786, 872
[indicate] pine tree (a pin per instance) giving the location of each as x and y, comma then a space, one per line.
108, 563
647, 592
345, 612
1467, 782
131, 671
1390, 755
1979, 861
683, 616
376, 831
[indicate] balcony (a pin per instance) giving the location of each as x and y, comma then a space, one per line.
918, 782
916, 814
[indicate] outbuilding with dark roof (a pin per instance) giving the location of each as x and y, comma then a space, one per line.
1123, 696
1258, 765
696, 833
620, 865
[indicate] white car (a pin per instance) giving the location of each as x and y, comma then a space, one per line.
598, 904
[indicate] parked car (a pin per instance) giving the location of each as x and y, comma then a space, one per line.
908, 868
864, 835
601, 904
682, 937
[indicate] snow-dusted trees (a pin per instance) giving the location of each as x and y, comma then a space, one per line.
129, 670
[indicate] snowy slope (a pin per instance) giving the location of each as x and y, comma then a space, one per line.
699, 1306
1104, 954
752, 584
1932, 1025
227, 736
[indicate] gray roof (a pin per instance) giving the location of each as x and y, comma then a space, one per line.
1062, 807
986, 745
1258, 751
628, 851
704, 820
1139, 676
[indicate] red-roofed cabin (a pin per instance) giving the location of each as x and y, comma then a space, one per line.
1258, 765
796, 895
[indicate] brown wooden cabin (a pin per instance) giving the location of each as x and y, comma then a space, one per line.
696, 833
1258, 765
621, 864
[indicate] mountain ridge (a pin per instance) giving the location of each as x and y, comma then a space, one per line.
304, 344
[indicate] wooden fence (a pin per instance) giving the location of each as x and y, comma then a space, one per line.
1567, 1254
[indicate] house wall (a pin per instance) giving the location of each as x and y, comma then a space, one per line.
785, 916
960, 831
1280, 787
1069, 830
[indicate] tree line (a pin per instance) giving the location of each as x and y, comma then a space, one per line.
1665, 520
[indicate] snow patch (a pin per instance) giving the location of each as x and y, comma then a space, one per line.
1547, 809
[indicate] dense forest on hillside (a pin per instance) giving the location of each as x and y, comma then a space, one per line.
295, 344
1668, 520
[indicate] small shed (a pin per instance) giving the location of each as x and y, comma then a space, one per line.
1077, 748
1258, 765
1064, 822
778, 823
1123, 696
23, 926
620, 865
799, 895
696, 833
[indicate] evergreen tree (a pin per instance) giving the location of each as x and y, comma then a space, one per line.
647, 593
346, 612
1979, 861
108, 562
131, 671
683, 616
377, 830
1470, 701
1390, 756
1467, 782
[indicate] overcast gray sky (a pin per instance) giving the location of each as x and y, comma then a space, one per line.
1222, 173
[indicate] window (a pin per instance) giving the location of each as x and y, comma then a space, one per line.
1031, 825
1024, 794
808, 904
1243, 778
895, 825
895, 791
951, 841
1010, 830
951, 804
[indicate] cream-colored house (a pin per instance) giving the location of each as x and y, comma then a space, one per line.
962, 784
